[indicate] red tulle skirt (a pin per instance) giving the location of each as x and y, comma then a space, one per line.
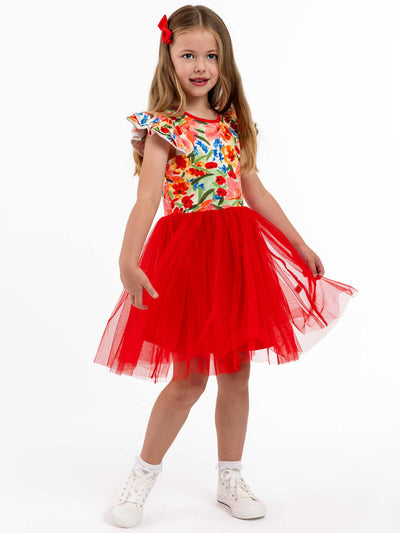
232, 289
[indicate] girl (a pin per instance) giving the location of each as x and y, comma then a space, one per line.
218, 283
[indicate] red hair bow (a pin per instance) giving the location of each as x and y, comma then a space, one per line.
166, 32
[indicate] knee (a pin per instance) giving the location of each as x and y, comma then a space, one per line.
235, 380
189, 390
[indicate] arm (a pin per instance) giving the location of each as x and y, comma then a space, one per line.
155, 157
258, 198
149, 190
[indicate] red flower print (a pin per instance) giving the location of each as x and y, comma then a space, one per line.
180, 161
234, 125
191, 173
180, 187
187, 201
197, 173
232, 174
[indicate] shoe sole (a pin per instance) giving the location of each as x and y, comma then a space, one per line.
241, 517
128, 523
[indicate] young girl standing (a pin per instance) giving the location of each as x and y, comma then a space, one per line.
217, 284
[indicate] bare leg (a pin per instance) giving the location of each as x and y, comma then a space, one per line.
231, 413
168, 415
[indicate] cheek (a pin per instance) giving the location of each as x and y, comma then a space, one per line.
182, 70
215, 69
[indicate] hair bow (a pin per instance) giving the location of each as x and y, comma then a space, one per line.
166, 32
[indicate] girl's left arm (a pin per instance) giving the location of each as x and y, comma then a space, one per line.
258, 198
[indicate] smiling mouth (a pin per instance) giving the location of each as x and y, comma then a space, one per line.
198, 79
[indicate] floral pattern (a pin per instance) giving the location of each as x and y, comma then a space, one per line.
204, 172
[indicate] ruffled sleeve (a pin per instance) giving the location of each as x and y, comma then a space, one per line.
231, 115
144, 123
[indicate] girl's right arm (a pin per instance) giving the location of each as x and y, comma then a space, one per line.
152, 173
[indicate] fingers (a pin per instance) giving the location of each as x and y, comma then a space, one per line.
136, 298
319, 266
150, 289
311, 263
315, 265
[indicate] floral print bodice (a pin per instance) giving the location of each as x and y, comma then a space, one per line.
204, 172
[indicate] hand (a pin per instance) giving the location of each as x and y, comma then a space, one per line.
311, 259
134, 280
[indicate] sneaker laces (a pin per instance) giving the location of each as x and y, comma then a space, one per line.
137, 486
236, 483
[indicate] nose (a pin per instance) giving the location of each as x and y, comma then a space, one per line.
199, 66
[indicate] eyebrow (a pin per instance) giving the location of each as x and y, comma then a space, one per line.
188, 50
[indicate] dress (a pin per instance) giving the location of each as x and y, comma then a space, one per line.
232, 288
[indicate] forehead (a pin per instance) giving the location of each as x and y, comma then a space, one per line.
200, 40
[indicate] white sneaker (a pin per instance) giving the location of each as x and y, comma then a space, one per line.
234, 492
127, 508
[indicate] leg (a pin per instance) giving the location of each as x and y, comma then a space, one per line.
168, 415
231, 413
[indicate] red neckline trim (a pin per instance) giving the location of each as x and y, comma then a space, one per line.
204, 119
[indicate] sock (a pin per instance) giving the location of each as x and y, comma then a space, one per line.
229, 464
148, 466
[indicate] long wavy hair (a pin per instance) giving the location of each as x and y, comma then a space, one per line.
167, 97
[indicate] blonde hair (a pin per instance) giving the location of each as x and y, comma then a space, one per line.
166, 94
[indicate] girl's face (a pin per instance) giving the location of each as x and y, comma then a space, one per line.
194, 55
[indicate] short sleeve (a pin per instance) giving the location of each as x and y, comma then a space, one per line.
144, 123
231, 115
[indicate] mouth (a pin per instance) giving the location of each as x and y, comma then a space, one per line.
199, 81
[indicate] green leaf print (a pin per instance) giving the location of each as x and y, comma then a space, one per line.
203, 138
204, 156
207, 193
195, 180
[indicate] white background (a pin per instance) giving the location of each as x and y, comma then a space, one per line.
322, 80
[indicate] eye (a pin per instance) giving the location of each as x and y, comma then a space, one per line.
189, 54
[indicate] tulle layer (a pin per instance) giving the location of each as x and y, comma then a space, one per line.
232, 289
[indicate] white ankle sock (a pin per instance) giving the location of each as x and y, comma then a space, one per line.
148, 466
229, 464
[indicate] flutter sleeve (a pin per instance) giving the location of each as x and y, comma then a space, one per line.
231, 115
144, 123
